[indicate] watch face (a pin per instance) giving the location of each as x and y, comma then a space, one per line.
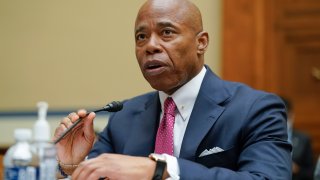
157, 157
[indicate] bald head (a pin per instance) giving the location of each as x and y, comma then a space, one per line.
183, 11
170, 43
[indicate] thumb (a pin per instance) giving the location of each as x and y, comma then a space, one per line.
88, 126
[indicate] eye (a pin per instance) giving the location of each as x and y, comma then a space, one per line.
140, 37
167, 32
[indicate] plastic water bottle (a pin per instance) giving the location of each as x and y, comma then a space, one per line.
43, 148
47, 163
20, 163
316, 175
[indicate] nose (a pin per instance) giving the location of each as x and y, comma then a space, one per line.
153, 46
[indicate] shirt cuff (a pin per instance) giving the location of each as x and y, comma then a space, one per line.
172, 167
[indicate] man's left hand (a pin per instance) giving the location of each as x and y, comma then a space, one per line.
115, 166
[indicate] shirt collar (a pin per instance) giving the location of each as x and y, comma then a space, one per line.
185, 96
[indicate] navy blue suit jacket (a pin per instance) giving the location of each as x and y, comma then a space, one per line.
249, 125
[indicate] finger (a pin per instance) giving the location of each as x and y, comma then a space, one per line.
82, 113
66, 122
104, 168
73, 116
83, 170
98, 173
88, 121
91, 169
88, 128
59, 130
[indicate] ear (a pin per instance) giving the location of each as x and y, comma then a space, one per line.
203, 41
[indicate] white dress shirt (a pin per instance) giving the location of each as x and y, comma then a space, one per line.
184, 99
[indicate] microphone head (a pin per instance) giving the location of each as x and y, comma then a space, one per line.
114, 106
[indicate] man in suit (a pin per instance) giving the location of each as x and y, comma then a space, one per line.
199, 126
302, 155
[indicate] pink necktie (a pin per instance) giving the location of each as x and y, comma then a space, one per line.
164, 139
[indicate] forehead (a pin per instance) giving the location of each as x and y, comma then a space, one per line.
159, 15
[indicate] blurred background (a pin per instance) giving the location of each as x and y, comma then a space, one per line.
74, 54
80, 54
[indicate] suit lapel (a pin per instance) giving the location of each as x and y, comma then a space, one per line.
203, 117
206, 111
141, 142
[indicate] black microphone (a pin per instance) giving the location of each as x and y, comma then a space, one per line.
114, 106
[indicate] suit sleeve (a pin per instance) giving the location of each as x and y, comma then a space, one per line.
103, 143
265, 152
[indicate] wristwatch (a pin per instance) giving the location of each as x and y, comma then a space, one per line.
160, 166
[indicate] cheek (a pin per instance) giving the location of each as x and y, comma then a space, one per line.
139, 57
183, 50
185, 62
138, 52
183, 58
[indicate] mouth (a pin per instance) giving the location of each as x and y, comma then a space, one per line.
154, 67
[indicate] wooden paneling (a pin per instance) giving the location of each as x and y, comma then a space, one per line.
240, 50
298, 29
1, 166
274, 45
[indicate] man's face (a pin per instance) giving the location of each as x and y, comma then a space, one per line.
166, 47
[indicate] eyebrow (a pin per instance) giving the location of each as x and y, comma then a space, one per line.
159, 24
166, 24
140, 28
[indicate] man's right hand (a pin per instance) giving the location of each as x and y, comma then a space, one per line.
75, 146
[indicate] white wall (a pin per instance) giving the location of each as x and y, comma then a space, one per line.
75, 54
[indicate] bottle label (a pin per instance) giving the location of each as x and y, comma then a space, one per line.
21, 173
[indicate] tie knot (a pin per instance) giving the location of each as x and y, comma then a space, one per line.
169, 106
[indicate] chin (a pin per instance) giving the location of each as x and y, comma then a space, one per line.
163, 87
161, 83
157, 86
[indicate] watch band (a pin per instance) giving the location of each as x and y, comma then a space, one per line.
158, 172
